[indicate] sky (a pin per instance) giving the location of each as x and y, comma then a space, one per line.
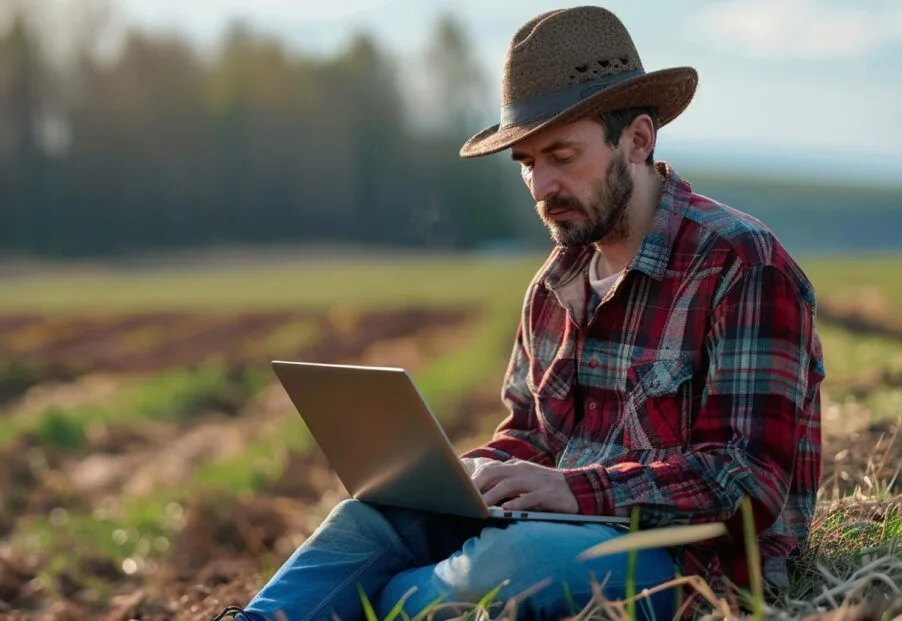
812, 85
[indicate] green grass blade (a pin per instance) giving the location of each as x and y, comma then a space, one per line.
568, 599
678, 594
398, 609
754, 559
489, 597
367, 606
631, 567
421, 616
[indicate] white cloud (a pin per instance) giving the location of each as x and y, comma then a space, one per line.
796, 29
793, 113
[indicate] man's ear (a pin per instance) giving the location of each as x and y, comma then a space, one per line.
642, 139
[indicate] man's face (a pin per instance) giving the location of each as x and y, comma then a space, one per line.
581, 184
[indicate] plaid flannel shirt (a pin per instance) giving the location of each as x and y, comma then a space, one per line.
694, 383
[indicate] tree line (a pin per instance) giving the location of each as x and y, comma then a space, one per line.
158, 146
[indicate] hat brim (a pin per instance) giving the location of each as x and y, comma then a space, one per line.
669, 91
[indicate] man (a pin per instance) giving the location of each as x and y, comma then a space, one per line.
666, 359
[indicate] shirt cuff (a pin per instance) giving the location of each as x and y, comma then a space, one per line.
592, 489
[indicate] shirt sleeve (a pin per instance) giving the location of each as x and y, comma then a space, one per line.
744, 437
519, 436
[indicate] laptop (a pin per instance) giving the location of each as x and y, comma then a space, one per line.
385, 444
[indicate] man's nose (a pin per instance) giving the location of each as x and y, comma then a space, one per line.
544, 184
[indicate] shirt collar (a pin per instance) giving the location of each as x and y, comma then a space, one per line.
653, 256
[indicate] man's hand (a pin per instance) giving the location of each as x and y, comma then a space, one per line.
525, 486
472, 464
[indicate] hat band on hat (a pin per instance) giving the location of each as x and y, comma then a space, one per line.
546, 105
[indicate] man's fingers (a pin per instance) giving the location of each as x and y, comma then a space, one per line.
526, 502
505, 489
489, 475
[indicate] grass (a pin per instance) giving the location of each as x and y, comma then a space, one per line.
754, 559
435, 282
286, 340
851, 358
847, 277
847, 564
631, 568
855, 554
16, 377
483, 357
178, 395
137, 529
172, 396
318, 284
260, 464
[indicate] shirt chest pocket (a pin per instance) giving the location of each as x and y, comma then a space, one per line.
552, 379
658, 406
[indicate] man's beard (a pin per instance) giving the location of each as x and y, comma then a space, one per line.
605, 220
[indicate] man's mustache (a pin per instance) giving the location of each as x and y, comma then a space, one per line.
558, 203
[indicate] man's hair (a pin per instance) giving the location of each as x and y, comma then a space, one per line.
616, 121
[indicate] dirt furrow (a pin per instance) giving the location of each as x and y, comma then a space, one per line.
861, 322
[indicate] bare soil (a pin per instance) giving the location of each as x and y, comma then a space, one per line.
216, 557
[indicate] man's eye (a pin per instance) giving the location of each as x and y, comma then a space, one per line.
562, 159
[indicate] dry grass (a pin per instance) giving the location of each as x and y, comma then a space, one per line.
851, 571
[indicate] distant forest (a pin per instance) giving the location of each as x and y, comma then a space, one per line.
160, 147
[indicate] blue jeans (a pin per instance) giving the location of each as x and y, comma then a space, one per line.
387, 551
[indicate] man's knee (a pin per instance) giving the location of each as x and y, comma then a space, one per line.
529, 554
352, 519
351, 508
521, 554
531, 544
350, 511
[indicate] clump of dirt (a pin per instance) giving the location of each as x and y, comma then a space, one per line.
867, 313
306, 477
139, 471
46, 393
867, 383
126, 438
866, 460
474, 417
18, 587
18, 321
18, 478
346, 339
200, 595
18, 377
221, 527
33, 481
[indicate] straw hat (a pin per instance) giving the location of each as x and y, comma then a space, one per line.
567, 64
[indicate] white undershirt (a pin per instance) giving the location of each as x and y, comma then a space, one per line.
601, 285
